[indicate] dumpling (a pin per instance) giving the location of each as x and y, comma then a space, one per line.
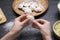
21, 5
38, 8
26, 4
41, 6
33, 5
58, 6
29, 7
30, 17
27, 10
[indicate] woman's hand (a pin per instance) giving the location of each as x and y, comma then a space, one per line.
44, 28
19, 24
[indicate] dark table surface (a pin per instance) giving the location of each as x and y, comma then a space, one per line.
28, 33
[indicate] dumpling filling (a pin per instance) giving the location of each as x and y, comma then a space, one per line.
57, 29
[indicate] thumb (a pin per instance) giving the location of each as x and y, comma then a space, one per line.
26, 21
37, 24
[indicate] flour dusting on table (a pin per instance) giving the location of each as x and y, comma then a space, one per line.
8, 26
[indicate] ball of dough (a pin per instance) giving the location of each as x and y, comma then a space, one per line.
28, 7
27, 10
58, 6
30, 17
38, 9
41, 5
26, 4
21, 5
33, 5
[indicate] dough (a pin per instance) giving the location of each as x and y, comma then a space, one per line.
29, 7
27, 10
58, 6
30, 17
20, 5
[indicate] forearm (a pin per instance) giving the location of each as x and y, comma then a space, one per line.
9, 36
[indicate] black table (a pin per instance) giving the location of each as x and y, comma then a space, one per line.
28, 33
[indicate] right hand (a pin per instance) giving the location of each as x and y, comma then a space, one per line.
43, 26
20, 23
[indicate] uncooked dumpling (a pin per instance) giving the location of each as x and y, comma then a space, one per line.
29, 7
27, 10
30, 17
21, 5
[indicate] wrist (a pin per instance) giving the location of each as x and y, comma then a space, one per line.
49, 37
9, 36
13, 34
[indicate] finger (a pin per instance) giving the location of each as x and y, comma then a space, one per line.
26, 21
42, 21
21, 18
45, 21
37, 23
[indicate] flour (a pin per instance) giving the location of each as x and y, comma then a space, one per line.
8, 26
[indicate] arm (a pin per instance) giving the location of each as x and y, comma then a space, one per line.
19, 24
9, 36
44, 28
